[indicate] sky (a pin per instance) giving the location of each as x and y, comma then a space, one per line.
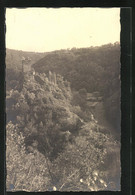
49, 29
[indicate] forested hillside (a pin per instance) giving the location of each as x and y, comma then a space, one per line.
14, 65
63, 119
14, 57
52, 145
91, 69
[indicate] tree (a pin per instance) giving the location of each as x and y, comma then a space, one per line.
21, 166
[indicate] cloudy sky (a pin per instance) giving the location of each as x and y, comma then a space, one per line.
48, 29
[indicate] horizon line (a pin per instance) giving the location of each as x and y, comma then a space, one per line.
117, 42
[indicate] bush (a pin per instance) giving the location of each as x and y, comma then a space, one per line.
24, 171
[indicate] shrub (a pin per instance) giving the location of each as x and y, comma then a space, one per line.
24, 171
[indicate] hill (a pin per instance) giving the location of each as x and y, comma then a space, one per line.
50, 146
92, 69
14, 58
14, 64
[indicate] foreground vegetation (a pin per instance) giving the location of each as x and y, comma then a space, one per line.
52, 143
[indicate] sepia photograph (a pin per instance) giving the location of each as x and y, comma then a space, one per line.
63, 99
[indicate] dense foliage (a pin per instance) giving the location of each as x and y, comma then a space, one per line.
91, 68
50, 146
94, 69
54, 142
25, 171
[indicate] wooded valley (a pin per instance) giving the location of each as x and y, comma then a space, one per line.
63, 119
